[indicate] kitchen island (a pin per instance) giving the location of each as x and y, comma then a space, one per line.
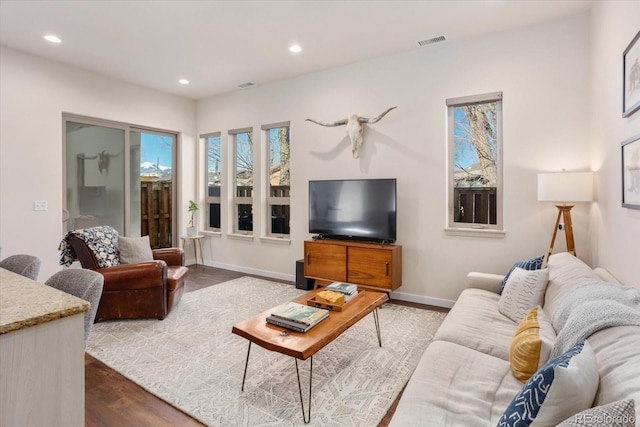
41, 354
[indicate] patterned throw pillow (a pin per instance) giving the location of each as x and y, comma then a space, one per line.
133, 250
524, 290
616, 414
527, 264
531, 344
564, 386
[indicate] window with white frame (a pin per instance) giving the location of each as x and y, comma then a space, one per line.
278, 179
474, 163
213, 181
243, 180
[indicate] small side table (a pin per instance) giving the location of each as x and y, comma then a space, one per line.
196, 242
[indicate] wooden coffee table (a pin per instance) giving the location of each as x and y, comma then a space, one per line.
301, 345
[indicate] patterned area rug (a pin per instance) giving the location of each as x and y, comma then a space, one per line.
193, 361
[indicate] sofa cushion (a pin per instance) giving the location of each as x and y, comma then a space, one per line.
617, 351
532, 344
134, 249
617, 414
523, 291
526, 264
564, 386
474, 322
566, 272
605, 275
456, 386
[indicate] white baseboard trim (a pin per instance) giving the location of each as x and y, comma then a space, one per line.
402, 296
257, 272
438, 302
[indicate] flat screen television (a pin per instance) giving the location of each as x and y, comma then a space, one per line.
358, 209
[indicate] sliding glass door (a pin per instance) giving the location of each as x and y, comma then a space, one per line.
152, 186
95, 178
120, 176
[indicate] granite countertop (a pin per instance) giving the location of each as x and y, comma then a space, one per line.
25, 303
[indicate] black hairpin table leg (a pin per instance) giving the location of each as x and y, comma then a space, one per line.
375, 319
246, 363
306, 418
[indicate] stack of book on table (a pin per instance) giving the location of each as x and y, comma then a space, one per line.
297, 317
347, 289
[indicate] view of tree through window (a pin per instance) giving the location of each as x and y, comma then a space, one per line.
214, 173
244, 181
279, 179
475, 128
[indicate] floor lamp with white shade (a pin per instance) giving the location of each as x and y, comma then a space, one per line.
565, 188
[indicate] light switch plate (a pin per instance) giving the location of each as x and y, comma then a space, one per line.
39, 205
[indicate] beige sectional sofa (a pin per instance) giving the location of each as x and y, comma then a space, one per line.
464, 377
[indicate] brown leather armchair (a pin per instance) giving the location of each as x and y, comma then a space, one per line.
133, 291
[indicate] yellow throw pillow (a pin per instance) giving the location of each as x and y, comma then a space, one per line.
531, 345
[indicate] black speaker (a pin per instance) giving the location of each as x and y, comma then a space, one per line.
301, 281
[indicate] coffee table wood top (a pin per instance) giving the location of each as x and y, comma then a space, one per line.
303, 345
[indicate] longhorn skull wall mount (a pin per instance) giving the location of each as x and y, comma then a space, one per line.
354, 128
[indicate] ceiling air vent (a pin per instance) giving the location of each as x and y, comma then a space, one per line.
246, 85
433, 40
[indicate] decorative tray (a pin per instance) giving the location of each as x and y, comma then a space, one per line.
327, 305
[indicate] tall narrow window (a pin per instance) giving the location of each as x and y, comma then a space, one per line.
243, 196
475, 167
213, 181
278, 179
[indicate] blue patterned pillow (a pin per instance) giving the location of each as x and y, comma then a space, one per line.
564, 386
527, 264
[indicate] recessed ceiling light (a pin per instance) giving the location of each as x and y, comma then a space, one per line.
53, 39
183, 81
295, 48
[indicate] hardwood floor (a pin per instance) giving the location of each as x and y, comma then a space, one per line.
111, 400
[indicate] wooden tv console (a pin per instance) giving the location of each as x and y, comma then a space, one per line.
369, 265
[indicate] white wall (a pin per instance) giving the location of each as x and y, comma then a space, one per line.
34, 94
616, 236
543, 74
562, 96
